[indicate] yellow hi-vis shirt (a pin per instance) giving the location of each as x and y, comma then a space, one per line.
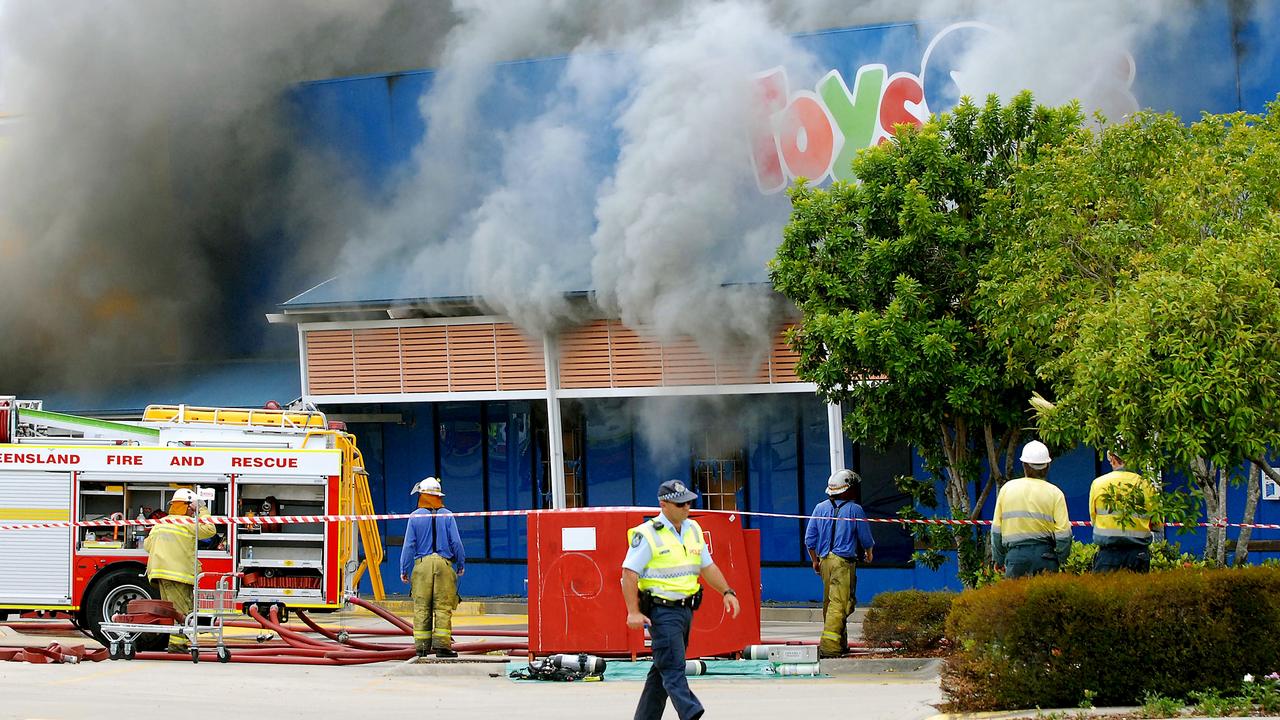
171, 550
672, 571
1029, 510
1107, 528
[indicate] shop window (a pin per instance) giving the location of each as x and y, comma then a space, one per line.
573, 441
719, 468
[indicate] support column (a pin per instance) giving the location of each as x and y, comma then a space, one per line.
555, 435
835, 436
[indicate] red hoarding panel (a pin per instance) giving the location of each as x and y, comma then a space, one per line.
575, 590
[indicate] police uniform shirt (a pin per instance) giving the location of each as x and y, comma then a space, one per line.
641, 552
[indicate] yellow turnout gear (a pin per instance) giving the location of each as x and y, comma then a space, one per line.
171, 549
178, 593
434, 586
839, 582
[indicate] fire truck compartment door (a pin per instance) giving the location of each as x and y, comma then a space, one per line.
35, 565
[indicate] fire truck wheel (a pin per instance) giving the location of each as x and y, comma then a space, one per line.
110, 594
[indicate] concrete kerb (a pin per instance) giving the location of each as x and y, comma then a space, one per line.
1043, 714
404, 606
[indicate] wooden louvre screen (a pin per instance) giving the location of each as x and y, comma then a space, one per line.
498, 356
330, 362
608, 354
423, 359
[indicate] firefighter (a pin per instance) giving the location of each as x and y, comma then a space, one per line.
1122, 545
432, 550
171, 557
1030, 531
835, 547
660, 587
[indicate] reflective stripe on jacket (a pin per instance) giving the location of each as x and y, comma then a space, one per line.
1107, 525
673, 571
171, 550
1029, 510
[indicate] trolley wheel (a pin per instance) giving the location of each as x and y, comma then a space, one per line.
224, 654
129, 651
113, 650
195, 655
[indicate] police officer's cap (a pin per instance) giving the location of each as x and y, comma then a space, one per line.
676, 492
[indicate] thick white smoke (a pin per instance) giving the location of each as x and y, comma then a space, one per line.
154, 170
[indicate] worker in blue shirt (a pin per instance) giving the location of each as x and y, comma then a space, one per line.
432, 549
837, 537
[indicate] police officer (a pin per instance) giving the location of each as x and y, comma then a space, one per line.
660, 587
1030, 531
837, 537
432, 549
1124, 543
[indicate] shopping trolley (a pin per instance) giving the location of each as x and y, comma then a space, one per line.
209, 608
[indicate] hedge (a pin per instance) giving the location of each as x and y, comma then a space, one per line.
912, 621
1044, 641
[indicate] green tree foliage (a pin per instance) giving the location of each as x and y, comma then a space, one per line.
1134, 272
886, 274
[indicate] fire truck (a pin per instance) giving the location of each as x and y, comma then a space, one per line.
271, 462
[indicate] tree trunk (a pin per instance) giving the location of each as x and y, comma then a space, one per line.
1221, 518
1254, 478
1206, 476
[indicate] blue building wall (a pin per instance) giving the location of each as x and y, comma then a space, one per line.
488, 453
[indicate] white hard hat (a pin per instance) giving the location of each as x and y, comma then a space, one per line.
184, 495
427, 486
1035, 453
840, 481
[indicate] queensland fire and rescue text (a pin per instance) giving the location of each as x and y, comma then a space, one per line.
63, 468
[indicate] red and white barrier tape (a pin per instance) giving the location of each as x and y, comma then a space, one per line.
298, 519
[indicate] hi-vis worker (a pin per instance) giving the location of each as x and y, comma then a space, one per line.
660, 588
171, 557
432, 549
1030, 531
1123, 543
837, 538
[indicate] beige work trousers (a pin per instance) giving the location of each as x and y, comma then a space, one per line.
839, 581
434, 585
179, 594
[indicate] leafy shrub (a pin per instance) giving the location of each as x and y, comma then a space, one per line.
914, 620
1080, 561
1044, 641
1167, 555
1155, 705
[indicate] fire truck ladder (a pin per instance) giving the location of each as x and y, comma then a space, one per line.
353, 492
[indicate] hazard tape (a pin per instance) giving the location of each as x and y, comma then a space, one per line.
300, 519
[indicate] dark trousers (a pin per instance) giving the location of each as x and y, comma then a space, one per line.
670, 634
1029, 559
1122, 556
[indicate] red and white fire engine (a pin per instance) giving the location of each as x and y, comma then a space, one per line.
58, 468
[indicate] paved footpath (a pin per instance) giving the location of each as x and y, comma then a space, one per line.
167, 690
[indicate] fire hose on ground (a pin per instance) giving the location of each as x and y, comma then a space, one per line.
298, 644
